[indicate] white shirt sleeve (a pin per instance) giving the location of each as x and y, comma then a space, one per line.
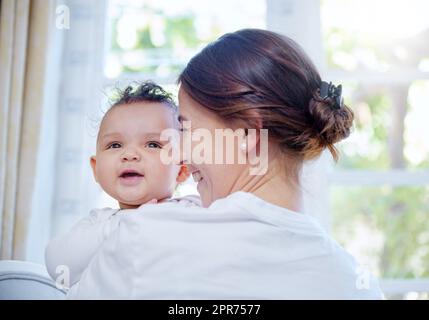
74, 249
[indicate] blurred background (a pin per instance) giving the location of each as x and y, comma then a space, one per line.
60, 61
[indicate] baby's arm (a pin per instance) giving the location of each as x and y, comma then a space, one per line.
74, 250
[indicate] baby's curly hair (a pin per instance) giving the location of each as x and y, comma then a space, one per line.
147, 91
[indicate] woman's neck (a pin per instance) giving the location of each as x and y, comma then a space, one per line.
280, 193
274, 187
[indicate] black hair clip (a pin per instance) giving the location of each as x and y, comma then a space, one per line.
328, 90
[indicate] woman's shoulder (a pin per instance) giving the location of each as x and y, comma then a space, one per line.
243, 222
296, 222
237, 207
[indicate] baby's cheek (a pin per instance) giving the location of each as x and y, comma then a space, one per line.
168, 175
164, 174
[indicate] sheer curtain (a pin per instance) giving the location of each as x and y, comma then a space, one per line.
26, 61
51, 97
81, 102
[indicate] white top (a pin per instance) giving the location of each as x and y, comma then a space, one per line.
241, 247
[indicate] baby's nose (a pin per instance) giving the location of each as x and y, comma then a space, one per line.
131, 155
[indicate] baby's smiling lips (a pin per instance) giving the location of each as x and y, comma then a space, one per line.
130, 177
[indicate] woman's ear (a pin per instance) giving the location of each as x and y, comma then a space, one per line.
93, 162
253, 135
252, 139
252, 127
183, 174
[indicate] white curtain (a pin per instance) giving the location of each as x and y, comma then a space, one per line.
80, 105
26, 29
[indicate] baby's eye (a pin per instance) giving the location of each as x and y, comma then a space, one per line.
153, 144
114, 145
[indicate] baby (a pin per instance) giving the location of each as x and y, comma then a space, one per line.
128, 167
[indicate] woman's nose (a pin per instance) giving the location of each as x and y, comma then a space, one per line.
183, 155
185, 148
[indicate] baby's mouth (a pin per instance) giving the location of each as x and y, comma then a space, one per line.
130, 177
130, 174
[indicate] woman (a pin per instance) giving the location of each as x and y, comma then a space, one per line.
249, 240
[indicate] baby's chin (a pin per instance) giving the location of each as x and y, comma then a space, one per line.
133, 198
132, 202
128, 206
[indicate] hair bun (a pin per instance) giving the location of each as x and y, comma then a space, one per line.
330, 125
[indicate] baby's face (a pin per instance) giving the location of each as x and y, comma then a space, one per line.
127, 164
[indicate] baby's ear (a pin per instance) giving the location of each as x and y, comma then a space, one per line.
183, 174
93, 162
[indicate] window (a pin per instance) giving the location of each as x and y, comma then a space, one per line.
379, 191
155, 39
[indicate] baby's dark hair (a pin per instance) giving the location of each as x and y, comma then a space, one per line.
147, 91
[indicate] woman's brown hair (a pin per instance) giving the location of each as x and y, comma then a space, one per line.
259, 76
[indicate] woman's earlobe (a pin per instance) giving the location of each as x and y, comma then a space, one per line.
251, 140
243, 146
252, 134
